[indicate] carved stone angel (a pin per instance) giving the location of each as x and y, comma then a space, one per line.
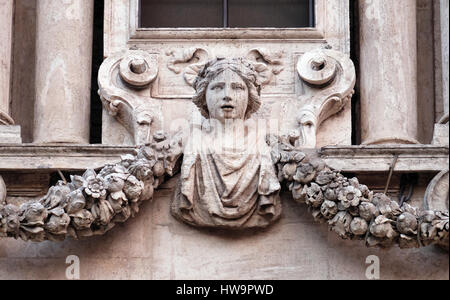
224, 184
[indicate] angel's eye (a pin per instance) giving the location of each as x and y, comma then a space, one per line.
238, 86
217, 87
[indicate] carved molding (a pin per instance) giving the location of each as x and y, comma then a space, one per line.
329, 78
120, 76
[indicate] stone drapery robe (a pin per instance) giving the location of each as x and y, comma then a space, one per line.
228, 187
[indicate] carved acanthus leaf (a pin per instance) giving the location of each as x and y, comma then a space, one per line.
267, 64
189, 61
118, 76
329, 78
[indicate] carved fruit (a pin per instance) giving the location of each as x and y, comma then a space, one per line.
359, 226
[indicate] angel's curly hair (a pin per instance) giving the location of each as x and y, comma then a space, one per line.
240, 66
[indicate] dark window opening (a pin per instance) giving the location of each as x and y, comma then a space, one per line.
97, 59
226, 13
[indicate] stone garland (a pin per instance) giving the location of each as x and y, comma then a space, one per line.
350, 208
93, 203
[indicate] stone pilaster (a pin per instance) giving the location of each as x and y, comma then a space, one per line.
9, 133
63, 71
444, 20
6, 23
388, 71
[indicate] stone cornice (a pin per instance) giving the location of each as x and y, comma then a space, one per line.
29, 157
411, 158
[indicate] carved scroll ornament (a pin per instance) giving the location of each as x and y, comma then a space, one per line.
329, 78
119, 76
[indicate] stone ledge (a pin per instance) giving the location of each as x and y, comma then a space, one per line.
28, 157
10, 134
411, 158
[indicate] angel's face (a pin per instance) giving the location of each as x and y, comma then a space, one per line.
227, 97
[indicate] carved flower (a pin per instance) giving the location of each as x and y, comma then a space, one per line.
330, 194
386, 206
95, 187
314, 196
102, 211
77, 182
367, 211
82, 219
115, 184
112, 169
329, 209
133, 188
382, 228
341, 224
124, 215
289, 171
32, 214
366, 193
349, 196
11, 220
76, 201
141, 169
58, 222
305, 173
325, 177
56, 196
127, 160
359, 226
407, 224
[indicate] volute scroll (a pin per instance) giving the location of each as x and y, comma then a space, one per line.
329, 79
120, 76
